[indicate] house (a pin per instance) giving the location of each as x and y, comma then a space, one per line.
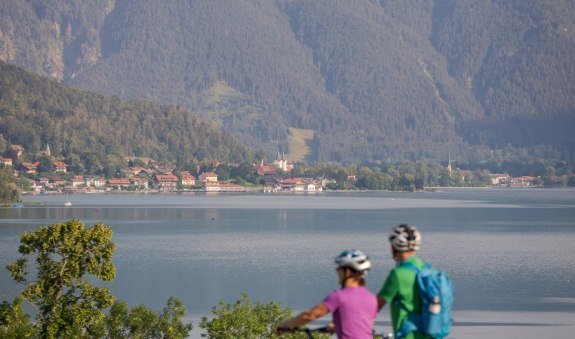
135, 171
499, 179
524, 181
293, 184
188, 179
265, 170
60, 166
78, 181
29, 168
118, 183
208, 177
95, 182
6, 161
310, 187
58, 182
139, 182
165, 181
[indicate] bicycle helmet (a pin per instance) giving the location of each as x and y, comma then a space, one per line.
405, 238
353, 259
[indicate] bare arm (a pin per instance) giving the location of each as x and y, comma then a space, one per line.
305, 317
380, 303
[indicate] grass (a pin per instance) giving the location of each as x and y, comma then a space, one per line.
298, 143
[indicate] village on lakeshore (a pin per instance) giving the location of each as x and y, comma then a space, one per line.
51, 174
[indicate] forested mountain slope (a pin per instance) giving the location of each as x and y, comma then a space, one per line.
81, 124
375, 80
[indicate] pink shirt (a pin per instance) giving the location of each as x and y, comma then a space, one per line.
354, 310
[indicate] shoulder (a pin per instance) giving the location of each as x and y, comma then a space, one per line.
333, 296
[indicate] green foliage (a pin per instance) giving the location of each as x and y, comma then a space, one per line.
141, 322
14, 322
64, 254
68, 305
374, 80
244, 319
9, 191
94, 131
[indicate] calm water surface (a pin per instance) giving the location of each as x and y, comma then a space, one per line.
505, 249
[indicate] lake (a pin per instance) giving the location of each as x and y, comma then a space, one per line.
506, 250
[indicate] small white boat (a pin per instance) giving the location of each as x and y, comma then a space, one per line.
67, 203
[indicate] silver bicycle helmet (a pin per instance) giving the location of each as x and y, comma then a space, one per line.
354, 259
405, 238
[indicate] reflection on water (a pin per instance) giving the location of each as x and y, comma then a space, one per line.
505, 250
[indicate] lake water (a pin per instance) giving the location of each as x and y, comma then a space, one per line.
506, 250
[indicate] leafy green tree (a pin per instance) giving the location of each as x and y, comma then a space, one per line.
244, 319
66, 304
14, 322
75, 164
69, 306
46, 165
3, 144
141, 322
9, 191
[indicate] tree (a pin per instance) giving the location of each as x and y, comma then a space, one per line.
46, 165
75, 164
244, 319
14, 322
66, 305
141, 322
9, 192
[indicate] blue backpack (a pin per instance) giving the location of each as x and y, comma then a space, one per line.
436, 293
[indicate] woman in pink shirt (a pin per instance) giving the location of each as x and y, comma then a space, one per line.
354, 308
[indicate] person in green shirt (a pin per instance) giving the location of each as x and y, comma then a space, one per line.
400, 285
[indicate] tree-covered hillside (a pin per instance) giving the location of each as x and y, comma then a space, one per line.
374, 80
75, 123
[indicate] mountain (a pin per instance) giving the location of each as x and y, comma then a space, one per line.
35, 110
373, 80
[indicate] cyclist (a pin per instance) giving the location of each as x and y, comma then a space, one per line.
354, 308
400, 285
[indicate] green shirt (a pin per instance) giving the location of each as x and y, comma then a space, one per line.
400, 285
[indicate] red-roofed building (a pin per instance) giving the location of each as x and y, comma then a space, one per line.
188, 179
118, 183
293, 184
264, 170
165, 181
60, 167
29, 168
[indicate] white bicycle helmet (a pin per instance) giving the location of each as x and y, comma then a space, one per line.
405, 238
354, 259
